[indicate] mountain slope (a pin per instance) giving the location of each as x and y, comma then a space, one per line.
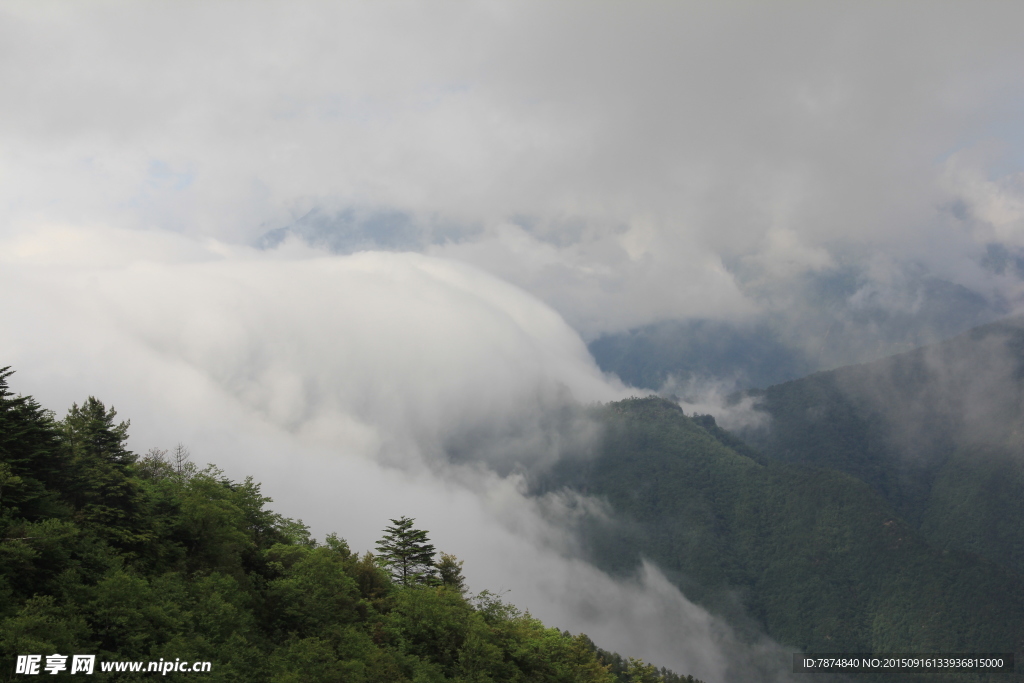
141, 560
816, 557
936, 431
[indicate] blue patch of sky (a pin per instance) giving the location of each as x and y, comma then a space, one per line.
361, 228
364, 229
560, 233
161, 175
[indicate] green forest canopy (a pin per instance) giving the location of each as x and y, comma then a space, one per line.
812, 556
128, 558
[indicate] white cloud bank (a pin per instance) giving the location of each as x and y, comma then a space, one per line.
622, 163
608, 158
339, 382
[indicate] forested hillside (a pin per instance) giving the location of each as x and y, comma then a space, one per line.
938, 432
880, 511
816, 557
147, 559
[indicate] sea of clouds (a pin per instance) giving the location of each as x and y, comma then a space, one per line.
357, 250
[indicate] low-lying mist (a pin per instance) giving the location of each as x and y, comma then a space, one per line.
357, 389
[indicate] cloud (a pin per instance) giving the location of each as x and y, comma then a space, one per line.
623, 164
422, 345
716, 398
994, 207
345, 384
684, 139
608, 282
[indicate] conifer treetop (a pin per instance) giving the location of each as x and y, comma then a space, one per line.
408, 553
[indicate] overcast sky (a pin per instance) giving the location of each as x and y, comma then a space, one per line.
485, 186
618, 160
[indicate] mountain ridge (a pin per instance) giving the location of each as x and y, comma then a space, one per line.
925, 429
814, 556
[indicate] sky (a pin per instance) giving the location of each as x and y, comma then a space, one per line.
325, 243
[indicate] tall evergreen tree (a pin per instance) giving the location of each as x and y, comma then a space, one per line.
31, 458
450, 572
102, 488
408, 553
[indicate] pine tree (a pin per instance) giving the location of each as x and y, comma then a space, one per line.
101, 487
407, 553
30, 455
450, 571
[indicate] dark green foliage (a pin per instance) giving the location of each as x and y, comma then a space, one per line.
449, 571
34, 463
815, 557
141, 559
938, 432
629, 670
407, 554
99, 484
